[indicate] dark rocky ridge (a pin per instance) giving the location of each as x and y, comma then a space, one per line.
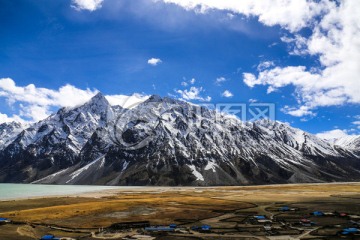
163, 141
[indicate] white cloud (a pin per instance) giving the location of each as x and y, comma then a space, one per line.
298, 112
334, 42
220, 80
227, 94
4, 118
269, 12
186, 83
193, 94
90, 5
35, 103
154, 61
126, 101
333, 134
356, 122
265, 65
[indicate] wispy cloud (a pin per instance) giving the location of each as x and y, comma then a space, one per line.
298, 112
193, 94
185, 83
89, 5
220, 80
154, 61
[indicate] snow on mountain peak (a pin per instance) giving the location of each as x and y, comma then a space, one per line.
125, 101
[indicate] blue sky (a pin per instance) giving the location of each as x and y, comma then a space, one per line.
233, 56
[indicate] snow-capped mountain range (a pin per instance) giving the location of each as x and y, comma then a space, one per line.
162, 141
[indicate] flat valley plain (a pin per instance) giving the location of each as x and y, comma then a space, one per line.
228, 210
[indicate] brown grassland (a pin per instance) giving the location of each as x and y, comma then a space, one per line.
164, 205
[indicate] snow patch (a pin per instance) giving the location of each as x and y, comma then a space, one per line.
127, 101
196, 173
211, 165
81, 170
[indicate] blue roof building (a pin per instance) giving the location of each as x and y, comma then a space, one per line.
258, 217
4, 220
284, 209
205, 228
173, 226
347, 231
318, 213
159, 229
49, 237
194, 228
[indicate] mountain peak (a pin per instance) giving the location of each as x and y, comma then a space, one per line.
99, 99
98, 96
157, 98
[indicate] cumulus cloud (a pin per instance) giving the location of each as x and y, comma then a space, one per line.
154, 61
89, 5
227, 94
334, 41
269, 12
4, 118
333, 134
193, 94
35, 103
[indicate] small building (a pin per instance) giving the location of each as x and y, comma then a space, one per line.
343, 214
264, 221
354, 217
173, 226
350, 231
4, 220
159, 229
195, 228
259, 217
49, 237
205, 228
318, 213
306, 222
284, 209
267, 227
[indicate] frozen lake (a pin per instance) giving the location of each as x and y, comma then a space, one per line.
14, 191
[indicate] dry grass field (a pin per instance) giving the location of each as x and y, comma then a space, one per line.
226, 209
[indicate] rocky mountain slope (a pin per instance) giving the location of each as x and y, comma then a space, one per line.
163, 141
